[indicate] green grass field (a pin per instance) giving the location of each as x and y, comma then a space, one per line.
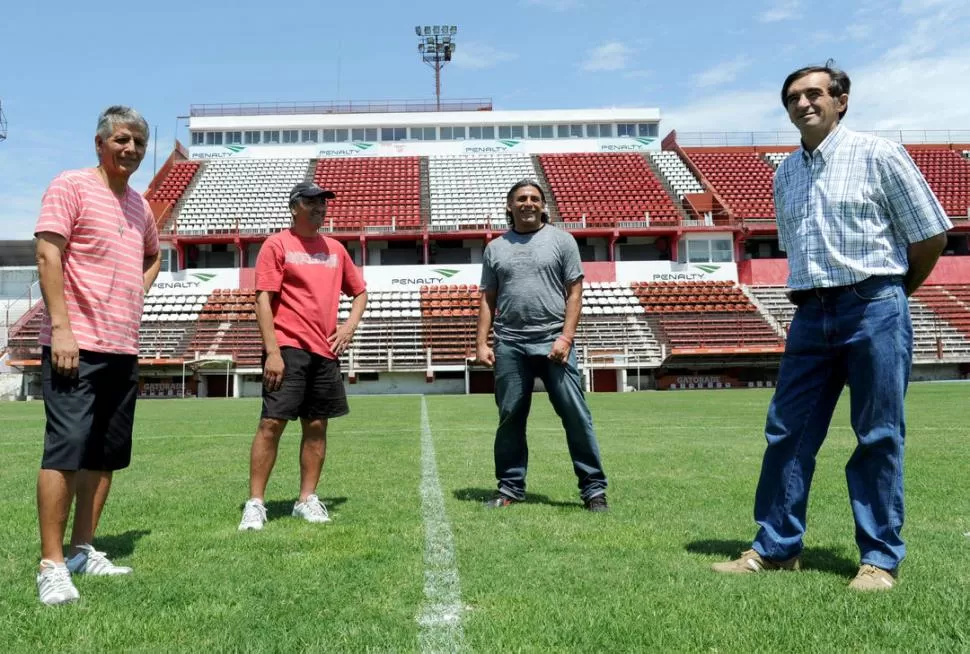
543, 576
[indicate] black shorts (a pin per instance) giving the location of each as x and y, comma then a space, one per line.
312, 388
89, 418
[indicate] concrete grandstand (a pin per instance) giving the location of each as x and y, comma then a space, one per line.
684, 277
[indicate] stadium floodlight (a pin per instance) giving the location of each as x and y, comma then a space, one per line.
436, 45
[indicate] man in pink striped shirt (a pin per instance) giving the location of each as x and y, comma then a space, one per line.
97, 255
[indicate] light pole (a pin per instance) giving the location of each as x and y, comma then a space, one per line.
436, 43
3, 124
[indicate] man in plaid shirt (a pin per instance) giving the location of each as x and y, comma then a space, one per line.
862, 230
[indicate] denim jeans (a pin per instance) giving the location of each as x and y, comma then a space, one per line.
860, 335
516, 367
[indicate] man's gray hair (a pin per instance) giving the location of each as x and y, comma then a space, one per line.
120, 115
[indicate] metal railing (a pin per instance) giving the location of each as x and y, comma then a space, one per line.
337, 107
732, 139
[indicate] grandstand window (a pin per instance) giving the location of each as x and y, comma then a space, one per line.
291, 135
198, 138
562, 131
721, 250
626, 129
595, 131
568, 131
329, 136
310, 136
343, 135
251, 138
213, 138
170, 260
446, 133
393, 133
233, 138
272, 136
647, 129
361, 134
474, 132
510, 131
417, 134
698, 251
459, 133
540, 131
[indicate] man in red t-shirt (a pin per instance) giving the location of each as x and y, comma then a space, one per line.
300, 275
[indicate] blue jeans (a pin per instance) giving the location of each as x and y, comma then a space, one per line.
860, 335
516, 367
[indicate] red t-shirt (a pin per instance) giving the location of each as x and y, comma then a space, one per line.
307, 275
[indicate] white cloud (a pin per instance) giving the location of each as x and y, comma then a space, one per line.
554, 5
478, 56
612, 55
781, 10
722, 73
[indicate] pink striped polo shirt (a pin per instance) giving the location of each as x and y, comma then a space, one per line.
107, 242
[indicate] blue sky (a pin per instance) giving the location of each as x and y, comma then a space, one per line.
708, 65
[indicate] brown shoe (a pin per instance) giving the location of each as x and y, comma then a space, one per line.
751, 561
870, 577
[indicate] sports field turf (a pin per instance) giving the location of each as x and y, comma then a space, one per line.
411, 561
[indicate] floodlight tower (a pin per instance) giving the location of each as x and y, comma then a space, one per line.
436, 43
3, 124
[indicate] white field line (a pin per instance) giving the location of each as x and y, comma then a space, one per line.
439, 619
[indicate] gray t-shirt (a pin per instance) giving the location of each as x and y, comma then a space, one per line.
529, 273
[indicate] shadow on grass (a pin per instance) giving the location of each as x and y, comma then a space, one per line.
119, 545
284, 508
823, 559
481, 495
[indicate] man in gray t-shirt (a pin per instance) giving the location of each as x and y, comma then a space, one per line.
532, 287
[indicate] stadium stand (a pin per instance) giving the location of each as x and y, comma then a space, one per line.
469, 191
706, 316
607, 190
175, 183
676, 173
742, 178
948, 174
240, 195
227, 327
371, 192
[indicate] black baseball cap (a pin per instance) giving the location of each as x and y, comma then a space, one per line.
310, 190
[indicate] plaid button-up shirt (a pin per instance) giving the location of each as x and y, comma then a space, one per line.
848, 210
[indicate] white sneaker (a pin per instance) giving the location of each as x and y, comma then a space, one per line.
254, 516
54, 585
312, 510
89, 561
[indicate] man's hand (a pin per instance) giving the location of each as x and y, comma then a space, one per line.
273, 372
560, 349
341, 338
486, 355
64, 352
